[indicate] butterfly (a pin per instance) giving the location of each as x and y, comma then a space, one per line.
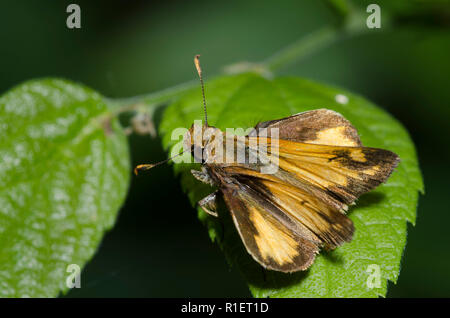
285, 216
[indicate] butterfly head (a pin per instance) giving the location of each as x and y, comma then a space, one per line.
199, 136
195, 139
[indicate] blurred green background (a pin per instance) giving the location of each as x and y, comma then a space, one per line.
158, 248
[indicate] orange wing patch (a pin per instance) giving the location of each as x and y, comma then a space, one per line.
320, 126
345, 171
272, 241
272, 238
327, 225
336, 136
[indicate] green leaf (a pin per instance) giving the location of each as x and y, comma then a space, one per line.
64, 173
380, 217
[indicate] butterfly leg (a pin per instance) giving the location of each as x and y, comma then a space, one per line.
202, 176
209, 204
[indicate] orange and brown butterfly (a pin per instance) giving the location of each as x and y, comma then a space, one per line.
285, 217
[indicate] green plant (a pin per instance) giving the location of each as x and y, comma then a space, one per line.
65, 171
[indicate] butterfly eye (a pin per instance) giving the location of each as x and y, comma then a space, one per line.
197, 152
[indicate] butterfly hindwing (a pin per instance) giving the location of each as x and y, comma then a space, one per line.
329, 226
272, 237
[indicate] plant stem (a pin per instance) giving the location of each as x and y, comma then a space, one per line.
350, 25
302, 48
154, 98
295, 52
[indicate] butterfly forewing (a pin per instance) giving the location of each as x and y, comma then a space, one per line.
320, 126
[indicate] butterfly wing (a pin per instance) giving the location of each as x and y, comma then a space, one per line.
272, 237
315, 183
284, 217
323, 149
320, 126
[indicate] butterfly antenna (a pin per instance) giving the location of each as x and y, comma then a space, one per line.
147, 166
199, 71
